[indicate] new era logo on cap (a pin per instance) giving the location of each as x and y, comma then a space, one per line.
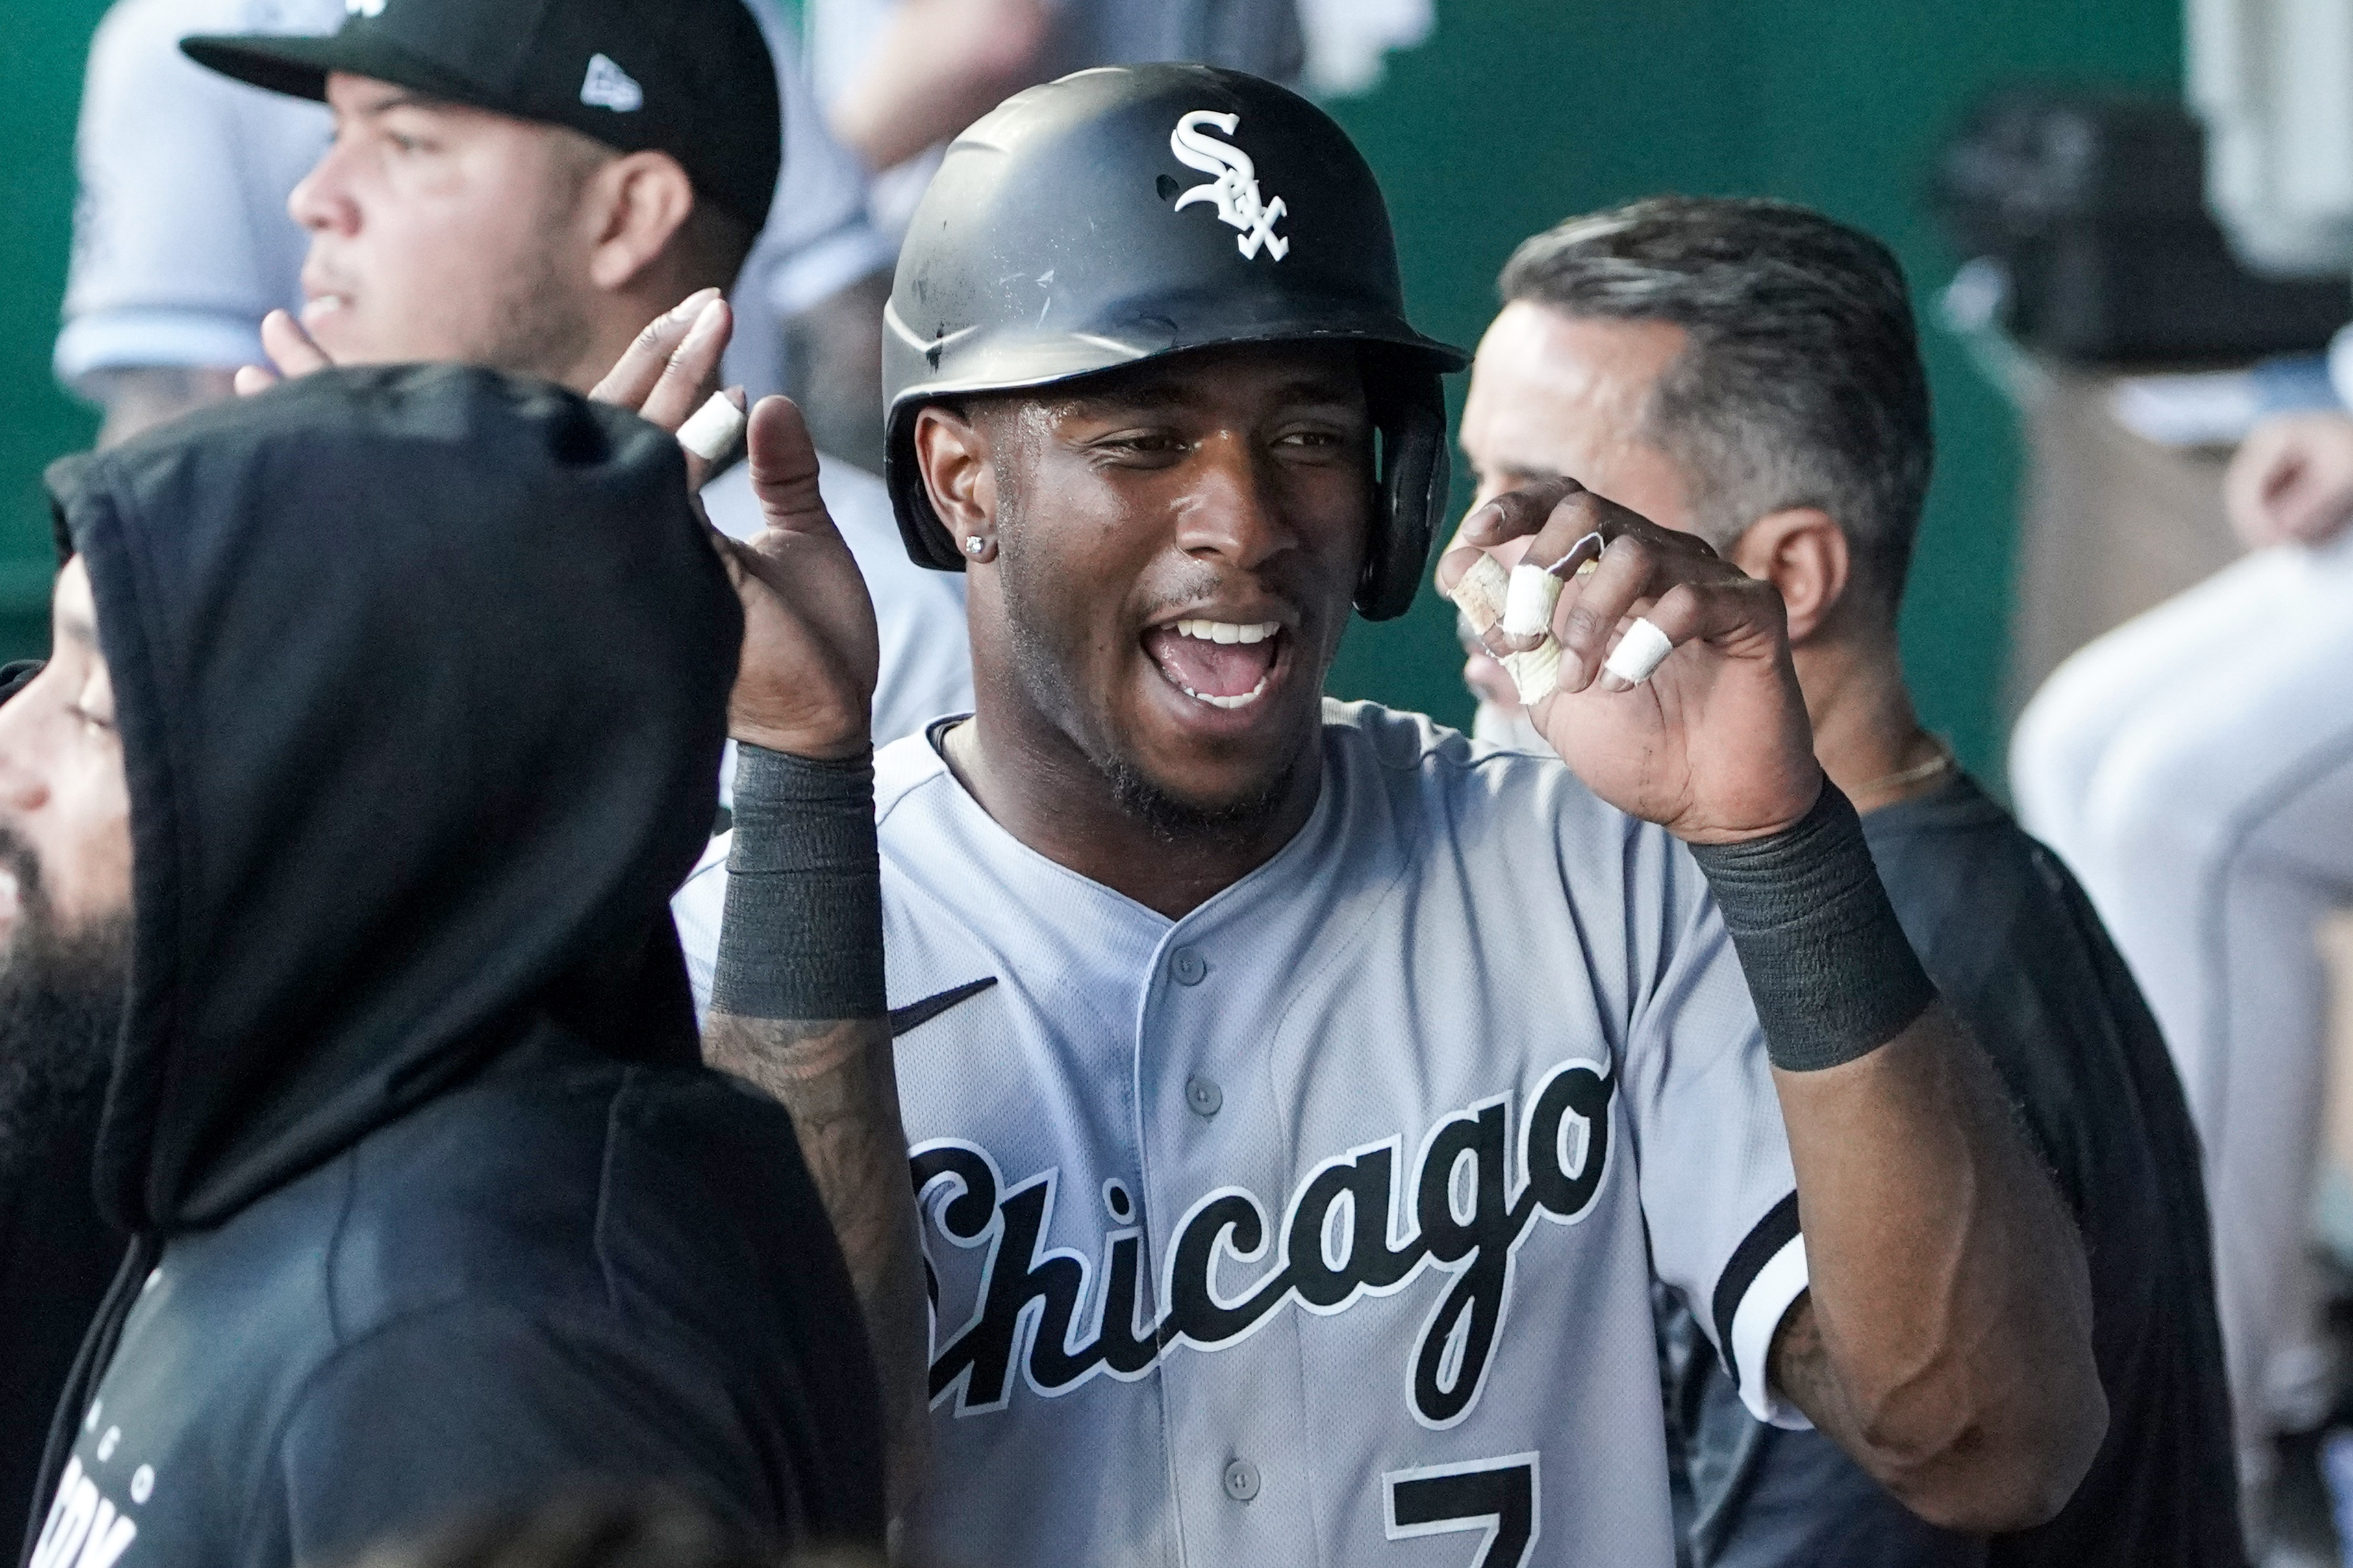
608, 87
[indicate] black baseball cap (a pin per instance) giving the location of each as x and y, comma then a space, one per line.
690, 77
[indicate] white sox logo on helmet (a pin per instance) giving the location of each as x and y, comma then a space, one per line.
1235, 189
1356, 1226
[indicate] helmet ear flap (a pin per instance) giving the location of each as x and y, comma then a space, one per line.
1409, 410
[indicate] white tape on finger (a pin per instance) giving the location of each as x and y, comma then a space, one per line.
1639, 653
1529, 601
1535, 674
713, 430
1483, 593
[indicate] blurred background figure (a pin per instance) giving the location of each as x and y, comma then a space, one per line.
900, 77
183, 241
2194, 765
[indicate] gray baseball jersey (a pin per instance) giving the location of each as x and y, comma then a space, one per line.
1318, 1226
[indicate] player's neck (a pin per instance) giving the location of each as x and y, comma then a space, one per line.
1040, 789
1866, 734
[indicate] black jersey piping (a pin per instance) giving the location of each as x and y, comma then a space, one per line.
1763, 1243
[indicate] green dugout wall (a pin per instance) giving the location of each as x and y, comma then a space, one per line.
1516, 113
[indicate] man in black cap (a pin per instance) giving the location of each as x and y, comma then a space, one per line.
523, 184
435, 1210
530, 185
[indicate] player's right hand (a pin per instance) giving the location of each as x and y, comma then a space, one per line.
2292, 480
804, 683
811, 653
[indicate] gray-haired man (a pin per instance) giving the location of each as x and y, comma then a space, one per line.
1747, 370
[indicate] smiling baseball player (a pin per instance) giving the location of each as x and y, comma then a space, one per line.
1301, 1099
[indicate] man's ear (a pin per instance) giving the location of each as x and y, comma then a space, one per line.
635, 203
951, 454
1802, 553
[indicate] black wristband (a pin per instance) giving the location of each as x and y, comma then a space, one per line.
801, 936
1831, 972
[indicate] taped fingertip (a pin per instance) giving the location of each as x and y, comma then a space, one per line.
1638, 653
1535, 674
713, 429
1482, 592
1529, 601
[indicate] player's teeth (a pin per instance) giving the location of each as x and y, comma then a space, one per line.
1228, 631
1242, 700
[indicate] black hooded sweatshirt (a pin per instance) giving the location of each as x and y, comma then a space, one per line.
421, 678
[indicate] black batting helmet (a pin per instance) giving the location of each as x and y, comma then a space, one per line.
1120, 214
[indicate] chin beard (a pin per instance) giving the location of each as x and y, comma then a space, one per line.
1172, 818
61, 1002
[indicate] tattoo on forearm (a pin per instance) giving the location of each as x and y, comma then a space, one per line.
835, 1076
824, 1072
1800, 1364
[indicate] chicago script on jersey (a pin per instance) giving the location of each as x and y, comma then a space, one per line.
1352, 1229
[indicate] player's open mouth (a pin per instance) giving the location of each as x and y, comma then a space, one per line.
1225, 664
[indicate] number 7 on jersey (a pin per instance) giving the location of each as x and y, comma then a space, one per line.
1496, 1495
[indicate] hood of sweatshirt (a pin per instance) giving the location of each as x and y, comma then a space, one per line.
421, 678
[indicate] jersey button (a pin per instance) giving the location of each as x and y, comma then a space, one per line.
1241, 1479
1188, 967
1202, 1097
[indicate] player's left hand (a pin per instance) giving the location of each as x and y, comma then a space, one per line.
1714, 746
